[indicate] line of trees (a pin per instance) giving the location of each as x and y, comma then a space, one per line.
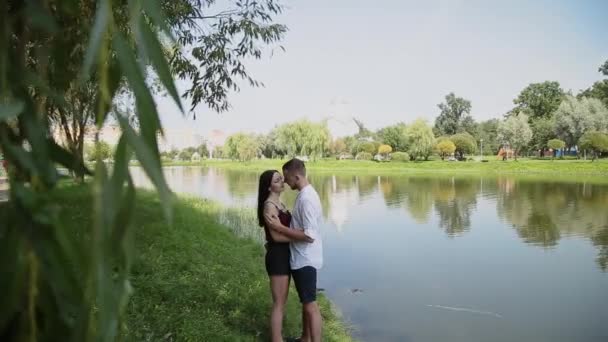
545, 119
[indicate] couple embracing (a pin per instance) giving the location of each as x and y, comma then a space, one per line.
293, 246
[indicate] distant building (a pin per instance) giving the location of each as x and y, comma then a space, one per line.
216, 138
179, 138
109, 134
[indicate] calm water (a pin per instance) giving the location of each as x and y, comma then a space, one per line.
420, 258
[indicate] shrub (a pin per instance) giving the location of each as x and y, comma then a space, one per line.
400, 157
364, 156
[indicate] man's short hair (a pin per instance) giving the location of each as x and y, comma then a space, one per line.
295, 165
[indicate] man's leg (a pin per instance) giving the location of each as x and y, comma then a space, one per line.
306, 335
305, 280
314, 320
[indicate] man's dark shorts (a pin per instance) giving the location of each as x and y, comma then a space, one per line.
305, 279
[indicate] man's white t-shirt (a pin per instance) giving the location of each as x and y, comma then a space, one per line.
307, 214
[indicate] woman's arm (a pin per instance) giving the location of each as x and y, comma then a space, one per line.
269, 211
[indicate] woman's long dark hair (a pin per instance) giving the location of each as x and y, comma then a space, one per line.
263, 193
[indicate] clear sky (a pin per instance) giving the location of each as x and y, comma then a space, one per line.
386, 61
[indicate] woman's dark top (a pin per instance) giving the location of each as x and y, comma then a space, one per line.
277, 253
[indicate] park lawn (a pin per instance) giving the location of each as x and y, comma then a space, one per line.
195, 280
493, 166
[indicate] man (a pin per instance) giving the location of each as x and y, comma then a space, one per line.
306, 258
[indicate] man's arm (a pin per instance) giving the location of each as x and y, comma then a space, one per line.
294, 234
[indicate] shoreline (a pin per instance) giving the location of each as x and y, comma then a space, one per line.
539, 167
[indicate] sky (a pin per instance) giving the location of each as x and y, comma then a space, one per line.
387, 61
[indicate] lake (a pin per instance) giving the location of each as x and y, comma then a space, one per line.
442, 258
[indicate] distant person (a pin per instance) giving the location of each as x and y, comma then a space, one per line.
306, 258
277, 245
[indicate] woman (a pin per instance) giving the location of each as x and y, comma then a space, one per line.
277, 245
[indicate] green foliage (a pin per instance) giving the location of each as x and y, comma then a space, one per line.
464, 143
445, 148
543, 130
604, 68
56, 57
241, 146
574, 117
400, 157
384, 150
338, 147
421, 140
218, 152
453, 112
597, 142
599, 89
99, 151
516, 132
539, 100
185, 155
488, 131
202, 150
394, 136
367, 147
303, 138
364, 156
556, 144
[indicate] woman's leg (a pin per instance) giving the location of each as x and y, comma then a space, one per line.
279, 286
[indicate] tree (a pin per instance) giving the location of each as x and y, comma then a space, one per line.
76, 119
453, 112
599, 89
543, 130
303, 138
597, 142
539, 100
487, 130
604, 68
556, 145
185, 155
99, 151
79, 288
241, 146
445, 148
364, 156
465, 144
515, 131
394, 136
351, 144
202, 150
468, 125
420, 139
575, 117
218, 152
367, 146
266, 145
384, 150
338, 147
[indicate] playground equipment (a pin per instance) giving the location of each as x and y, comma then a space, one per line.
505, 153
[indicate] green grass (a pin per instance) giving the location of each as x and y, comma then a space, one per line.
197, 280
493, 166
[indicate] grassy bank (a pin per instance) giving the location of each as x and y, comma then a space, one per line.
196, 280
523, 166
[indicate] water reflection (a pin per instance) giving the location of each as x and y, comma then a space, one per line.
540, 211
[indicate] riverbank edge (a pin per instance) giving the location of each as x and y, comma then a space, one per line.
540, 167
196, 279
